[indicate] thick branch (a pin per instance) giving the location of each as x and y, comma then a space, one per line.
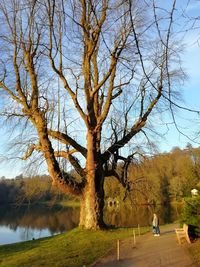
4, 87
65, 139
135, 128
59, 70
73, 160
68, 185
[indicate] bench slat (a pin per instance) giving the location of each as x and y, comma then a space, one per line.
182, 233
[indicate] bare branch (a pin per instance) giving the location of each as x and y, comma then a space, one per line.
30, 151
65, 139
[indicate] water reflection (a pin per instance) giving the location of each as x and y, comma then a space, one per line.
132, 215
21, 224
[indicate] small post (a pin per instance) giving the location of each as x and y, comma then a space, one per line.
118, 250
138, 229
134, 239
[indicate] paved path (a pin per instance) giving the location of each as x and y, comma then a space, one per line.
150, 251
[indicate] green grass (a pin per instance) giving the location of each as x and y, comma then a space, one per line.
72, 249
69, 203
195, 252
62, 203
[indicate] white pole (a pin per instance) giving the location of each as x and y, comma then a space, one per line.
134, 239
138, 229
118, 250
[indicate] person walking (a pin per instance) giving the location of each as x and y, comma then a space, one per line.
155, 224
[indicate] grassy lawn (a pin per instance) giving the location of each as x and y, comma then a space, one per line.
69, 203
195, 252
72, 249
63, 203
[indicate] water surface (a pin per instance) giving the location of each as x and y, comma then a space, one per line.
33, 222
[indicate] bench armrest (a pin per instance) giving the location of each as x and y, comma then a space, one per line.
179, 230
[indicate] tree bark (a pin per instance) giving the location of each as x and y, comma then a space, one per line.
91, 211
92, 200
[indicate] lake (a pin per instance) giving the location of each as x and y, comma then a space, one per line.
33, 222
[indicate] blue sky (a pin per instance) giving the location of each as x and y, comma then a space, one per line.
188, 122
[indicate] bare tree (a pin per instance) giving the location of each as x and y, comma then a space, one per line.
86, 78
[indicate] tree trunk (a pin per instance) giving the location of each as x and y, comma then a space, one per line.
91, 212
92, 200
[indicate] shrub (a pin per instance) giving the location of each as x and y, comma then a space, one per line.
191, 215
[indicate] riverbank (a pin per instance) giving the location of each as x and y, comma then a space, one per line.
75, 248
71, 249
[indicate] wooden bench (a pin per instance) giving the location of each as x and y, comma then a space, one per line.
182, 233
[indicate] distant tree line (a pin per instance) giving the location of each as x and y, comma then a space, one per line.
160, 179
28, 190
152, 180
